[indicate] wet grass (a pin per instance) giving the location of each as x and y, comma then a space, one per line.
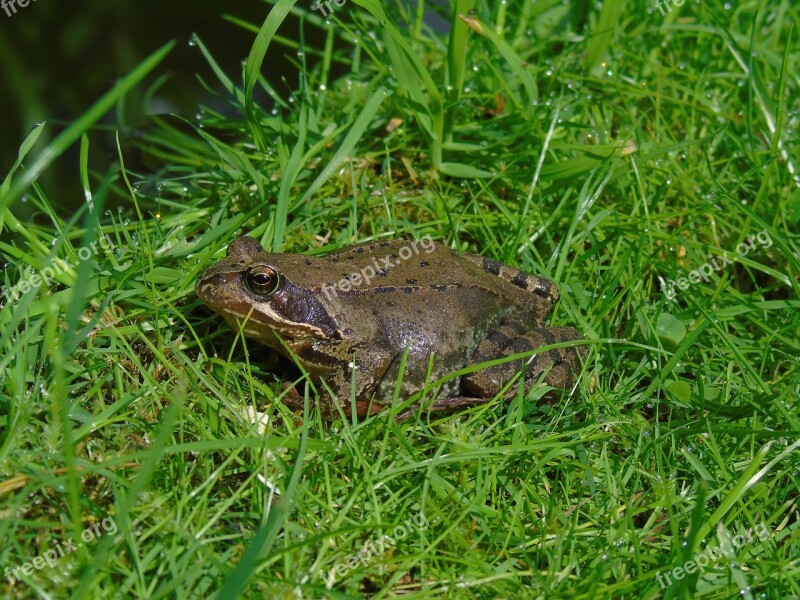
616, 151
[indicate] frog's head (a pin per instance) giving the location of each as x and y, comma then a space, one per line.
262, 290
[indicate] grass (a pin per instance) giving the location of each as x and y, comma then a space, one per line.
613, 150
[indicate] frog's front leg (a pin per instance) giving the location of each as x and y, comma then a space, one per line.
337, 361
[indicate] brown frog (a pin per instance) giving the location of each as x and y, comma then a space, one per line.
350, 316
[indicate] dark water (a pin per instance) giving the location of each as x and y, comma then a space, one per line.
57, 58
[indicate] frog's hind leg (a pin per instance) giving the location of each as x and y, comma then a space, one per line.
481, 387
560, 364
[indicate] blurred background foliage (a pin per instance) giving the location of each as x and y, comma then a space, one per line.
56, 59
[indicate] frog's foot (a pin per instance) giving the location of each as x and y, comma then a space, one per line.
443, 405
342, 363
559, 365
327, 405
294, 399
291, 397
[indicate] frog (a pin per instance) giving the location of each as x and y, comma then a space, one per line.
358, 315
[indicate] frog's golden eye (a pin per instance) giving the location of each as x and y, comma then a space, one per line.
262, 280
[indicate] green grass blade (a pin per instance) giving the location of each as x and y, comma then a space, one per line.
255, 60
412, 76
356, 132
456, 62
290, 172
518, 66
603, 32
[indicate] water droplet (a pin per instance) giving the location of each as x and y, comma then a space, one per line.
193, 40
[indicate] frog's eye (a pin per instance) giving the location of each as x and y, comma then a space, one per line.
262, 280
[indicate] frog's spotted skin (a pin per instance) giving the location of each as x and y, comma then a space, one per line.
412, 296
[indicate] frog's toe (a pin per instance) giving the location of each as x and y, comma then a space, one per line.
558, 375
559, 365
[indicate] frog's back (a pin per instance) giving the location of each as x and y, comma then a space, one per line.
414, 264
427, 268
